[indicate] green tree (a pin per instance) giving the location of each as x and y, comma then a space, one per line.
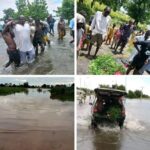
86, 7
139, 10
114, 86
38, 9
21, 7
138, 93
26, 84
114, 4
9, 13
44, 86
131, 94
119, 87
67, 9
117, 16
104, 86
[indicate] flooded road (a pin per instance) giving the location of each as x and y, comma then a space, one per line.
134, 136
58, 58
33, 121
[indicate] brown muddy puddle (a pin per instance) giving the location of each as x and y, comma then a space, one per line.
33, 121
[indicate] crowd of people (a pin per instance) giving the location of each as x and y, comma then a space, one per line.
100, 29
26, 37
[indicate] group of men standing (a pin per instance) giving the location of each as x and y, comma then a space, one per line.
99, 25
18, 39
24, 37
99, 30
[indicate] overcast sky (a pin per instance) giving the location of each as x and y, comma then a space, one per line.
37, 80
131, 82
5, 4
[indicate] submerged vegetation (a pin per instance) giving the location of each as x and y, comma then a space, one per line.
12, 90
62, 92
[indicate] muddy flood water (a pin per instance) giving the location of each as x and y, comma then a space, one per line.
134, 136
33, 121
58, 58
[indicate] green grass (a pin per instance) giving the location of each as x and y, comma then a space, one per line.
105, 65
11, 90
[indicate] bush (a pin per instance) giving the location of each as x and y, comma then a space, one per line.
105, 64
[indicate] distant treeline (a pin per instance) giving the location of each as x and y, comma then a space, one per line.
63, 92
9, 90
137, 94
25, 85
130, 94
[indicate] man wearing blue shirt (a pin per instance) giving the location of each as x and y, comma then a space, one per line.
72, 27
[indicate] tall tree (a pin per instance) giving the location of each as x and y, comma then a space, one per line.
114, 4
67, 9
26, 84
9, 13
38, 9
21, 7
139, 10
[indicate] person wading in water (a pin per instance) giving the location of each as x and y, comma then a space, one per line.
13, 53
